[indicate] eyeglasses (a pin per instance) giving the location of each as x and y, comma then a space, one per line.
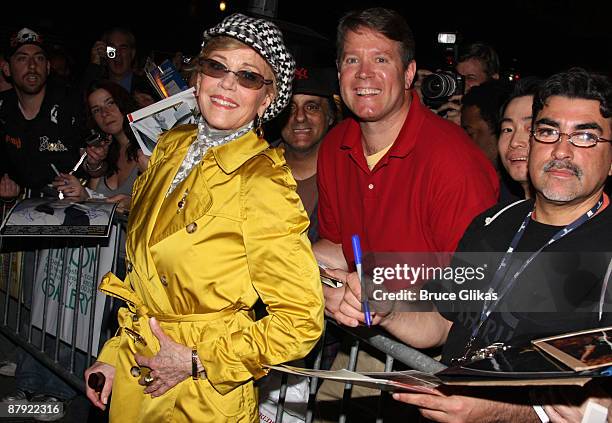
582, 139
246, 79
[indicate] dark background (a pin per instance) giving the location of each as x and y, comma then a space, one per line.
535, 37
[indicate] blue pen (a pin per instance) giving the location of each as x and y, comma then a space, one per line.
364, 297
607, 371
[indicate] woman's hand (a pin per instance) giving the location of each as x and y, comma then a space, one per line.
171, 365
96, 155
100, 400
71, 187
98, 52
123, 202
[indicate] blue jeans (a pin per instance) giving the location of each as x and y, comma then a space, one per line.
33, 376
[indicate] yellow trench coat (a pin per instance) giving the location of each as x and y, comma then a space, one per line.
240, 235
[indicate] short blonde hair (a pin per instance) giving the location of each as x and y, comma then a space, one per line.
228, 43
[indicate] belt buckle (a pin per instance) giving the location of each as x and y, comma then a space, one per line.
135, 336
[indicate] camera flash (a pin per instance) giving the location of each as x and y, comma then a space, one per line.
447, 38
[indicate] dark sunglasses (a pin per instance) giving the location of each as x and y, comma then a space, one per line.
246, 79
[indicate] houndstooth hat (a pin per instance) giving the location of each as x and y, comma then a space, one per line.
265, 38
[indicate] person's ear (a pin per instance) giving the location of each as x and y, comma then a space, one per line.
198, 82
6, 69
409, 74
265, 103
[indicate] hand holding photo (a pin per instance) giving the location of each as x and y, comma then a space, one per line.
584, 350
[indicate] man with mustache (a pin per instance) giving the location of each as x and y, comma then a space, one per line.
556, 258
40, 121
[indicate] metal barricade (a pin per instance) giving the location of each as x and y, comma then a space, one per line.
393, 350
21, 261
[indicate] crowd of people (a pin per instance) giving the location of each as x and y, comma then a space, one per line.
221, 217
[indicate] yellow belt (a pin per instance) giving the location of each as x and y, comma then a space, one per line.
113, 286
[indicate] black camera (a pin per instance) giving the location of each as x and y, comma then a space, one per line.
111, 52
439, 86
442, 84
96, 138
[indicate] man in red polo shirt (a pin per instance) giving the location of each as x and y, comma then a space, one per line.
402, 178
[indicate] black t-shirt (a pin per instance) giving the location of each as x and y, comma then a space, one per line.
560, 291
28, 147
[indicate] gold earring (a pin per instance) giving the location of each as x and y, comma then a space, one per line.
259, 130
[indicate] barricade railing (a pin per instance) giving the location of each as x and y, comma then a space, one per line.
393, 350
25, 271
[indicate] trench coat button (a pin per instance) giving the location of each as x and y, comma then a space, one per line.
135, 318
164, 280
192, 227
129, 266
135, 371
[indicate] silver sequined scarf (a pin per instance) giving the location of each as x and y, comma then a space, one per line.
207, 138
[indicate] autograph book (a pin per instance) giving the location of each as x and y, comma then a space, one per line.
570, 359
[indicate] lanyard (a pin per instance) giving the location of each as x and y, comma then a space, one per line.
502, 269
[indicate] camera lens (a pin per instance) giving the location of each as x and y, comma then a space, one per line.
438, 85
111, 52
95, 138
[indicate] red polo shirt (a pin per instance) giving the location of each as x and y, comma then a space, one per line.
420, 197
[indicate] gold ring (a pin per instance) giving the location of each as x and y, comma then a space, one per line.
148, 379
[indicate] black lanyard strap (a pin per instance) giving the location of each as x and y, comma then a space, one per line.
501, 276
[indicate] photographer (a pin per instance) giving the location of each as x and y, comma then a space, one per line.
112, 57
476, 63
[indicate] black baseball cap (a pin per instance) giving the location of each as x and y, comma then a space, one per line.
319, 81
23, 37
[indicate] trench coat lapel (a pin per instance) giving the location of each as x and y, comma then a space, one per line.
194, 195
194, 192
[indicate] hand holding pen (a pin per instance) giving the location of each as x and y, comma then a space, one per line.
365, 306
57, 181
67, 184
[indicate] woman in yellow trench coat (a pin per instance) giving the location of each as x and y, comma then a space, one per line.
215, 224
